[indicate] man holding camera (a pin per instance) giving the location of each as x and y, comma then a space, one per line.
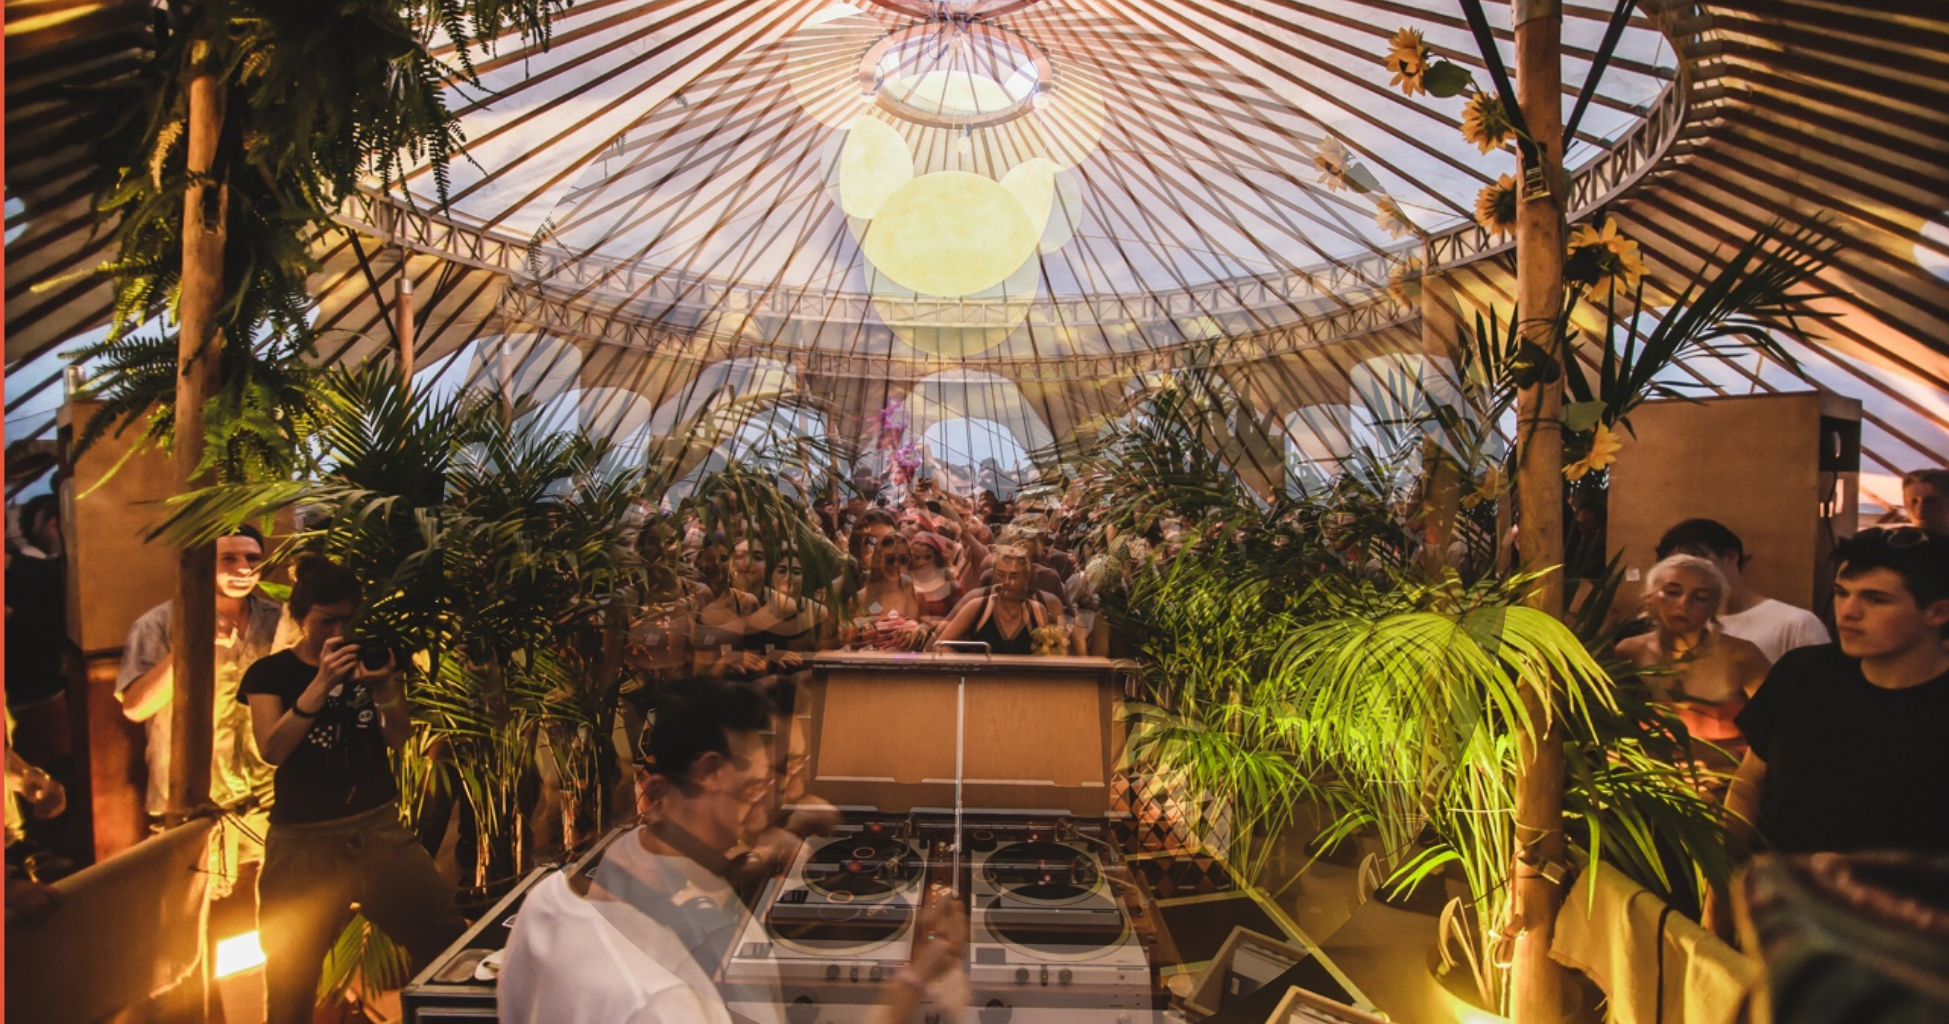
247, 626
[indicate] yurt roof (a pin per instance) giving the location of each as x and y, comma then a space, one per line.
1016, 208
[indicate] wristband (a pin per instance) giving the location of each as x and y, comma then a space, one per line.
302, 713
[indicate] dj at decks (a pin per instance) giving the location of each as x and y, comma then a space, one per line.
646, 937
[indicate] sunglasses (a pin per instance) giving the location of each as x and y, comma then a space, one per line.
896, 559
1902, 538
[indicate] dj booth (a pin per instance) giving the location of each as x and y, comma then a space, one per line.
990, 775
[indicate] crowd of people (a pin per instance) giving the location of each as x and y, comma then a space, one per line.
1817, 744
937, 572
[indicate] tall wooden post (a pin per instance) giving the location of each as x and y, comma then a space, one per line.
1538, 981
403, 313
192, 630
1441, 499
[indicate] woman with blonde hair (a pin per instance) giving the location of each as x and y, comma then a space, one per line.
1704, 674
1008, 614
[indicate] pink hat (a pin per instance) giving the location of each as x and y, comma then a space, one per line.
932, 540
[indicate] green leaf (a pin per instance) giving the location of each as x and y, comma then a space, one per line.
1360, 179
1583, 416
1447, 79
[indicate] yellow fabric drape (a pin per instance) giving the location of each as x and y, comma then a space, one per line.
1615, 937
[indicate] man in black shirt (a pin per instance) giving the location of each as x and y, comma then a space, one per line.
1846, 739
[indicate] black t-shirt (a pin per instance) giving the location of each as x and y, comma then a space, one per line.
1849, 765
340, 768
37, 628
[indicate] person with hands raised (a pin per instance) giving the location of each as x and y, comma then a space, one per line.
326, 721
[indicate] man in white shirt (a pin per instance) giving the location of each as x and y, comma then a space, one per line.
642, 942
247, 629
1774, 626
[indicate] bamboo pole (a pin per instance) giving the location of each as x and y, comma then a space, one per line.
192, 628
1538, 981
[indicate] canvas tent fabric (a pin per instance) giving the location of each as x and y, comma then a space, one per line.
884, 202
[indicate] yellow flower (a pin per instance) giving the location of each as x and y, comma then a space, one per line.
1407, 57
1602, 259
1485, 123
1331, 159
1389, 218
1404, 281
1604, 446
1495, 206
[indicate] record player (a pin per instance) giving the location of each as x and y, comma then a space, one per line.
1051, 924
986, 774
837, 923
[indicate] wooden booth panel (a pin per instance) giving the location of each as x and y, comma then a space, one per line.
1753, 463
113, 574
1035, 729
1037, 736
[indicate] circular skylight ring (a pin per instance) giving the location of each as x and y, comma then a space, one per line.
907, 98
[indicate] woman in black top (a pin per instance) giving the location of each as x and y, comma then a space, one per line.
325, 721
1006, 615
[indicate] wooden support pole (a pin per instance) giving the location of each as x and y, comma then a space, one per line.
403, 313
1441, 497
1538, 981
192, 628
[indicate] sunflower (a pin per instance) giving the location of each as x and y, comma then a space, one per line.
1602, 259
1404, 281
1389, 217
1485, 122
1495, 206
1331, 157
1604, 446
1407, 57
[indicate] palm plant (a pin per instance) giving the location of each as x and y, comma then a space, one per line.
493, 552
315, 102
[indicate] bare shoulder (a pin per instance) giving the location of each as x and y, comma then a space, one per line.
1636, 649
1746, 654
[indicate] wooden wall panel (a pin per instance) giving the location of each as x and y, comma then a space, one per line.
1751, 463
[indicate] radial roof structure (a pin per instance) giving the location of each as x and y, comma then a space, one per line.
1013, 213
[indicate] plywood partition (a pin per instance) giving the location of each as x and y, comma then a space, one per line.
113, 575
1781, 470
1036, 733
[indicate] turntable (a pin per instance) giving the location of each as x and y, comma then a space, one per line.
837, 923
993, 779
1051, 930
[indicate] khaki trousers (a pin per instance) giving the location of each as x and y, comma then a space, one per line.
312, 876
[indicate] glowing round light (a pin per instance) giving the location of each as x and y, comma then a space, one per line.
1033, 183
1065, 213
873, 165
951, 234
1068, 122
957, 330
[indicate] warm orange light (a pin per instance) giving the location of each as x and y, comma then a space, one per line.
238, 954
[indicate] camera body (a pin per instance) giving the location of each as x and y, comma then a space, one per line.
377, 644
374, 650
